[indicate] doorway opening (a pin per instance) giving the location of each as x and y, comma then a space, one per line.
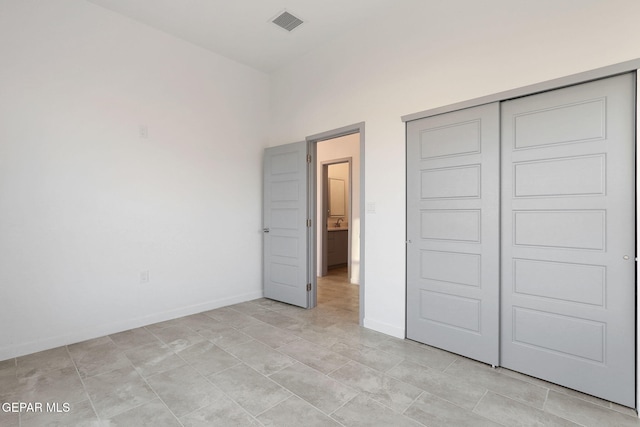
338, 185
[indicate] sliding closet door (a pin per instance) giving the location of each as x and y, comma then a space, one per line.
453, 232
568, 237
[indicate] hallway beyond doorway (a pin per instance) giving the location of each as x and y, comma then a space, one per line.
335, 291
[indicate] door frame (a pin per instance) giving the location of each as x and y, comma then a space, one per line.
325, 216
313, 141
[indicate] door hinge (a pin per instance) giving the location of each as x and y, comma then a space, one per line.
308, 158
308, 287
308, 223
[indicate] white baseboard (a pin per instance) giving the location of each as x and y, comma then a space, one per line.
384, 328
21, 349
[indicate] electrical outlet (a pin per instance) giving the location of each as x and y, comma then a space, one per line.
144, 132
144, 276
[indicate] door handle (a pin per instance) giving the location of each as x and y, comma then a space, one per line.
265, 230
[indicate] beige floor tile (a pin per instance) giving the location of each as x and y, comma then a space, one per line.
38, 363
118, 391
585, 413
224, 336
364, 412
223, 412
270, 335
153, 413
251, 390
482, 375
432, 411
153, 358
207, 358
511, 413
319, 390
261, 357
295, 412
448, 387
342, 375
133, 338
313, 355
60, 385
184, 390
178, 337
232, 317
79, 414
380, 387
97, 357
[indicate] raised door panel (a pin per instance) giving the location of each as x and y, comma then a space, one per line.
284, 218
452, 232
568, 237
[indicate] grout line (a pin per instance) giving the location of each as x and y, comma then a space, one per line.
84, 387
415, 400
478, 402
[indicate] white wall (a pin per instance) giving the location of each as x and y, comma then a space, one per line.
341, 148
421, 57
86, 204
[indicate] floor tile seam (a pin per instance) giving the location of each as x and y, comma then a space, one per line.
484, 380
470, 411
145, 377
438, 395
491, 387
328, 374
594, 405
225, 394
395, 411
359, 393
266, 345
321, 346
543, 410
385, 374
328, 414
370, 395
413, 402
105, 372
157, 396
139, 406
449, 365
250, 367
564, 393
350, 388
546, 398
613, 408
277, 403
84, 387
535, 381
193, 367
479, 401
168, 344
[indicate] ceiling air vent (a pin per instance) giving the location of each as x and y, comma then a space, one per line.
287, 21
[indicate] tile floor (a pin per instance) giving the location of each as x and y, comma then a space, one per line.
267, 363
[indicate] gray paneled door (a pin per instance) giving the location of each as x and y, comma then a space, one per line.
286, 234
453, 232
568, 237
521, 235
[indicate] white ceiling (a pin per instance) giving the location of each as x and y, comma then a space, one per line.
242, 30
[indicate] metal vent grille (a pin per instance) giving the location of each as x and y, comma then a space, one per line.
287, 21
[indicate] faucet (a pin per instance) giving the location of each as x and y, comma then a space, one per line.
338, 222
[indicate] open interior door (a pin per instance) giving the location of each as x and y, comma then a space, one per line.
286, 270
